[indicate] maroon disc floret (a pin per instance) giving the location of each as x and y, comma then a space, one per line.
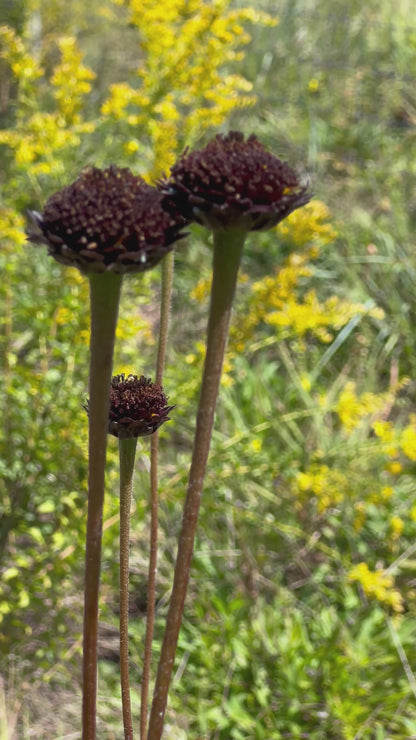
138, 407
234, 183
107, 220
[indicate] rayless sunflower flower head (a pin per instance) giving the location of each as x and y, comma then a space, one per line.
138, 407
234, 183
107, 220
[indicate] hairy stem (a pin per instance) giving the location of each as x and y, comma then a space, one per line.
127, 451
104, 299
167, 279
227, 254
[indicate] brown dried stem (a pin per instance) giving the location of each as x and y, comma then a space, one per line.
167, 279
227, 254
127, 451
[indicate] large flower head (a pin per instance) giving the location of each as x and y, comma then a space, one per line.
107, 220
138, 407
234, 183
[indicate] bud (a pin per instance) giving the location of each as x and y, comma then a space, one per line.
138, 407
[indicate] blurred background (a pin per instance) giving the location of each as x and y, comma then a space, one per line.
300, 619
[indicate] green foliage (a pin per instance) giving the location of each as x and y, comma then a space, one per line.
300, 620
289, 668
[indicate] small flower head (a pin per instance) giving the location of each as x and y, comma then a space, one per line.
107, 220
234, 183
138, 407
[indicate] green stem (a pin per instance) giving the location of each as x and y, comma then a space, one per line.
127, 451
167, 280
227, 254
104, 299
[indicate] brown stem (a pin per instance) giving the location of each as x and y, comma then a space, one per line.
104, 299
167, 279
151, 584
127, 451
227, 254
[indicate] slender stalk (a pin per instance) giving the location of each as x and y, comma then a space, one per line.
127, 450
104, 298
227, 254
167, 280
151, 583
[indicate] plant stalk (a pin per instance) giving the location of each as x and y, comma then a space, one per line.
167, 280
127, 452
104, 300
227, 255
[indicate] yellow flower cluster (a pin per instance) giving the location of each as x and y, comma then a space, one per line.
179, 95
328, 485
277, 300
353, 409
378, 585
396, 527
38, 136
360, 515
309, 224
12, 227
313, 316
12, 50
407, 439
396, 441
71, 80
121, 97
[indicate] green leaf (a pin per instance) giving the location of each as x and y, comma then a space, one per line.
10, 573
47, 507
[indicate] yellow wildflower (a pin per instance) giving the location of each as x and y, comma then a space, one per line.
12, 227
177, 96
256, 444
396, 526
275, 300
121, 95
311, 224
353, 409
394, 467
329, 486
23, 65
131, 147
378, 585
408, 440
359, 515
313, 85
386, 493
71, 79
201, 290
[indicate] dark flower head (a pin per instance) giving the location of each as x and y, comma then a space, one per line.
138, 407
234, 183
107, 220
